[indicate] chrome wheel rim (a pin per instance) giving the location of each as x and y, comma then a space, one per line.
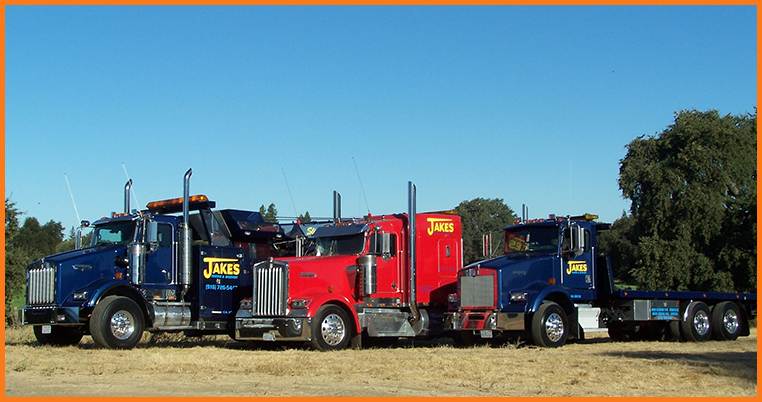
554, 327
332, 329
701, 323
122, 325
730, 321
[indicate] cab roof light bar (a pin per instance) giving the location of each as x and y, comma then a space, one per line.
176, 204
552, 218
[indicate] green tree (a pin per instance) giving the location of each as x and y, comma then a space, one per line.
482, 216
619, 245
39, 240
269, 215
70, 243
15, 259
11, 219
694, 197
305, 218
24, 244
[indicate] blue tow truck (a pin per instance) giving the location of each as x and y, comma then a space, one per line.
150, 270
551, 285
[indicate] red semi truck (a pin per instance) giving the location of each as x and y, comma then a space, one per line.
381, 277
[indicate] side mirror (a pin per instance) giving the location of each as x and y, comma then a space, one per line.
152, 235
576, 242
381, 243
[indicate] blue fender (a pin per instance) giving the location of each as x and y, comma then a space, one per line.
561, 297
107, 287
554, 293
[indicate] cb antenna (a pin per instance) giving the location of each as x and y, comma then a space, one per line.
361, 186
132, 189
72, 198
296, 214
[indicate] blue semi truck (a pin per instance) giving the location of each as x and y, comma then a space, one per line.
152, 270
551, 285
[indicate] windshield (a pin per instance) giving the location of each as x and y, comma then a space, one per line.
341, 245
122, 233
529, 240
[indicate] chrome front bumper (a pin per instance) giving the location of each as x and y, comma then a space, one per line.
273, 329
474, 321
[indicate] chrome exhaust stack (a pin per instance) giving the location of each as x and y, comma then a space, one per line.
411, 203
127, 188
185, 233
336, 207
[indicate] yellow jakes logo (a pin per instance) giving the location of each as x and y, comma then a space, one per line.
221, 266
440, 225
576, 267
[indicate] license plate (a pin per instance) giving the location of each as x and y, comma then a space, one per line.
268, 337
485, 333
46, 329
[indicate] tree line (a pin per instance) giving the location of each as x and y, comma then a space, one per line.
691, 226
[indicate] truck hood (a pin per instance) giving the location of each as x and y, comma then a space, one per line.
77, 269
74, 254
516, 273
308, 264
311, 274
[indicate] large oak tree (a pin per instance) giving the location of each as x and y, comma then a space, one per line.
693, 189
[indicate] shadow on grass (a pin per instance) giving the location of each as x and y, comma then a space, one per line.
742, 365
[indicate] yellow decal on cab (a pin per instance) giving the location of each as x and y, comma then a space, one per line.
440, 225
576, 267
221, 266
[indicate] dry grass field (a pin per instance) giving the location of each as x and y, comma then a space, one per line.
167, 365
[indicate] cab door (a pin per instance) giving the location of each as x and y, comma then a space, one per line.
389, 278
577, 262
159, 262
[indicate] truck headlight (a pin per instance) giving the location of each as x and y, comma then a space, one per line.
298, 303
518, 297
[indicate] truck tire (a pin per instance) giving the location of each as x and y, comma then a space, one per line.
674, 331
697, 327
726, 321
58, 336
117, 323
331, 329
550, 326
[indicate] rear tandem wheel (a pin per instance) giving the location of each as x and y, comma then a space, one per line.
697, 327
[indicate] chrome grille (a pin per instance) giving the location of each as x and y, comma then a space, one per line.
270, 288
477, 291
41, 284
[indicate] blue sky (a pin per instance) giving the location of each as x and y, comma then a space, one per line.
534, 105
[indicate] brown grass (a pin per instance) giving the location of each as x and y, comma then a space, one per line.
171, 365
